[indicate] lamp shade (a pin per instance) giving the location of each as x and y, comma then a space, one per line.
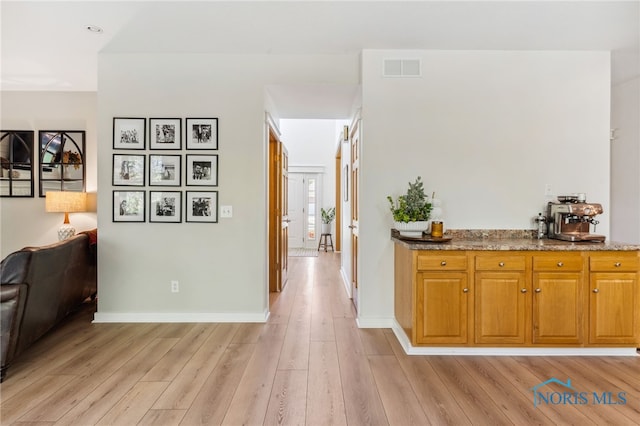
65, 202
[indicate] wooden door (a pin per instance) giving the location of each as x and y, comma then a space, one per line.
278, 220
613, 308
355, 209
283, 192
557, 307
501, 307
441, 311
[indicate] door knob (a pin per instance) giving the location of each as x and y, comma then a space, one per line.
465, 290
443, 263
595, 290
501, 264
523, 290
538, 290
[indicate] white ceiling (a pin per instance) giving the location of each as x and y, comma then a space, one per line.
45, 45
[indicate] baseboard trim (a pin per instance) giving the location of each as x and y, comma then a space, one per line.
409, 349
345, 282
156, 317
374, 322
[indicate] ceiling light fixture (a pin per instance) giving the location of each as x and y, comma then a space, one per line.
94, 29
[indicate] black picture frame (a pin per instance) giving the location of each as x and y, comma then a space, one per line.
165, 206
201, 206
129, 206
17, 163
62, 160
201, 133
202, 170
128, 170
165, 133
129, 133
165, 170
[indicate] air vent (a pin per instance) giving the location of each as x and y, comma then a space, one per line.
401, 68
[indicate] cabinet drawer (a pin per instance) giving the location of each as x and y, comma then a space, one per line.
623, 261
501, 263
558, 262
443, 262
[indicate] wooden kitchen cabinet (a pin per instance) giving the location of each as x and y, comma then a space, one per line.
442, 294
558, 298
614, 299
501, 299
442, 307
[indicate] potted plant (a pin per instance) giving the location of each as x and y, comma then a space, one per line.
411, 212
327, 218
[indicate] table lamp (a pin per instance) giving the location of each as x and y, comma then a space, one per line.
66, 202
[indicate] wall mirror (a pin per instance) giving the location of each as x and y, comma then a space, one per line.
62, 160
16, 159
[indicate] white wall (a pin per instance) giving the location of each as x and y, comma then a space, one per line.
313, 143
221, 267
625, 162
486, 130
24, 221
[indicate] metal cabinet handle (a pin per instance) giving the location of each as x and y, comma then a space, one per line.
595, 290
538, 290
617, 264
523, 290
465, 290
501, 264
560, 264
443, 263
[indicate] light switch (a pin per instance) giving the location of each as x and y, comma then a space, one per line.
226, 211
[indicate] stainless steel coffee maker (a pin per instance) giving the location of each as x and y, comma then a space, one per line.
570, 219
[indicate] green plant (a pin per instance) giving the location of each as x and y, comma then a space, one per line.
328, 215
413, 206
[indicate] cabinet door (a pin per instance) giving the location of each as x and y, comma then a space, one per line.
614, 308
557, 307
502, 308
441, 311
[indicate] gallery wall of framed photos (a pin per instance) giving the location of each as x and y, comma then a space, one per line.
172, 152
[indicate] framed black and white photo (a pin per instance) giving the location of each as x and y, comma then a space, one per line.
165, 206
202, 133
128, 170
128, 206
202, 206
202, 170
129, 133
164, 170
164, 133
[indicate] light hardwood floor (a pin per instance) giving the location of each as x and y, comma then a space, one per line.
309, 364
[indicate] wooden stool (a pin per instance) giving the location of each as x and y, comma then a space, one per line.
324, 244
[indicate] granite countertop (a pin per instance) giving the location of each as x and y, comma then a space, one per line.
506, 240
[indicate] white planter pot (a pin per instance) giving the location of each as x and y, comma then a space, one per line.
411, 229
326, 228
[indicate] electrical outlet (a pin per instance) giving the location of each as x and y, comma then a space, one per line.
226, 211
175, 286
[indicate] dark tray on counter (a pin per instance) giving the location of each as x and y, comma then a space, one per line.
425, 238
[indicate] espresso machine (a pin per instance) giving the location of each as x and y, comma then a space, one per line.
570, 219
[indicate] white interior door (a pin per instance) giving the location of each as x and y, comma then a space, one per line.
296, 211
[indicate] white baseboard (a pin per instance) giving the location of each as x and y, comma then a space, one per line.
153, 317
409, 349
345, 282
375, 322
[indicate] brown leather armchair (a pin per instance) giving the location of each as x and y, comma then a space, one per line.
39, 287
